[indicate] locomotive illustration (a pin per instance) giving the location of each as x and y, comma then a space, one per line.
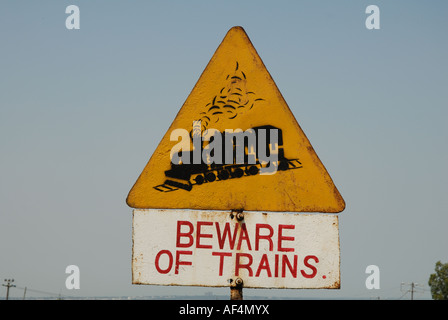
256, 161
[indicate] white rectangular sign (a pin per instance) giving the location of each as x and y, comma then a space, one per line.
214, 248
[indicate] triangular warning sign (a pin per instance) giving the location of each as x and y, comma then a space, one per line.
267, 165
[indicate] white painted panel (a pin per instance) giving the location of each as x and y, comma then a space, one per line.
213, 248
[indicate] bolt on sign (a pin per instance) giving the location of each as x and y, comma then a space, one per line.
235, 148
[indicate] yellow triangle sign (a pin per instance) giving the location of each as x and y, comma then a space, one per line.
269, 166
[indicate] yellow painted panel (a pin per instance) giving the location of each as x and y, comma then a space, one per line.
236, 91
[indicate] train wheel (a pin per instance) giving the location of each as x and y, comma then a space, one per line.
238, 173
210, 177
253, 170
199, 179
283, 165
223, 175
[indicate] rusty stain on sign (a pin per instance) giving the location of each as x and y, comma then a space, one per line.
236, 93
215, 248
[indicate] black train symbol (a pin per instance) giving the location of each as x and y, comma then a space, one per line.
185, 176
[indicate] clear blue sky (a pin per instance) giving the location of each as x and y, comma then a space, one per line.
81, 112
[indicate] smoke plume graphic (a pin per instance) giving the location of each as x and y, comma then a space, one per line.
231, 101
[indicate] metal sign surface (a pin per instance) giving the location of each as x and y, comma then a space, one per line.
235, 145
215, 248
